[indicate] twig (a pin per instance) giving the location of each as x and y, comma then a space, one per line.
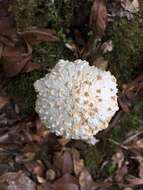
118, 144
132, 137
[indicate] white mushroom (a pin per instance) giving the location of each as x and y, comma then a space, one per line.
76, 100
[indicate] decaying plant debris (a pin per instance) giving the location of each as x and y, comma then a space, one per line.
34, 35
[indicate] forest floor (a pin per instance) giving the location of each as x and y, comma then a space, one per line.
34, 35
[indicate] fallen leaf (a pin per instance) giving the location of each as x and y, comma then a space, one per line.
8, 26
124, 105
63, 141
50, 175
136, 143
77, 162
35, 167
5, 41
139, 144
121, 172
1, 50
4, 100
30, 67
133, 88
15, 59
122, 169
101, 185
129, 92
118, 158
63, 161
45, 186
4, 5
85, 180
135, 181
139, 158
16, 181
98, 17
131, 6
40, 179
101, 63
15, 48
107, 46
34, 35
67, 182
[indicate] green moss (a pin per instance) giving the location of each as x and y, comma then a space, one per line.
127, 55
24, 11
93, 157
128, 122
63, 15
21, 86
49, 54
110, 168
21, 90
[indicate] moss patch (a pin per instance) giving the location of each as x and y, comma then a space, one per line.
60, 15
24, 11
129, 122
127, 55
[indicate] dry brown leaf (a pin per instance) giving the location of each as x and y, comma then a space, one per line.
36, 168
30, 67
134, 87
122, 168
4, 5
15, 50
100, 185
45, 186
4, 100
101, 63
7, 26
34, 35
121, 172
16, 181
85, 180
98, 17
107, 46
124, 105
13, 68
67, 182
77, 162
139, 158
136, 143
63, 141
139, 144
118, 158
67, 163
5, 41
50, 175
131, 6
135, 181
129, 92
1, 50
15, 59
64, 162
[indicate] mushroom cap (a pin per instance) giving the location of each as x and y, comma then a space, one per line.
76, 100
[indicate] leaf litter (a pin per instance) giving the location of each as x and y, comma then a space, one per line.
32, 158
